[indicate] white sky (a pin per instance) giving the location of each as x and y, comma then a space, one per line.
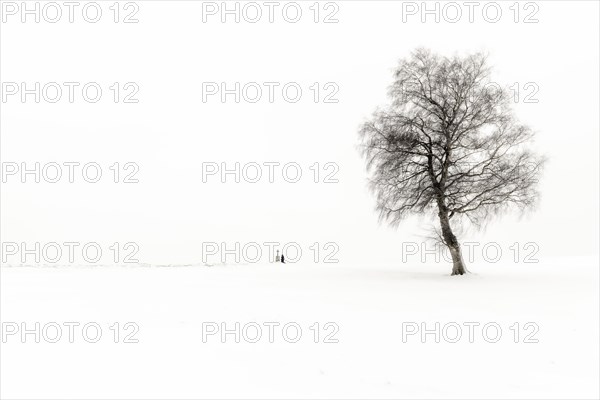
170, 132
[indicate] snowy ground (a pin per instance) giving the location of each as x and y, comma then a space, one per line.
369, 305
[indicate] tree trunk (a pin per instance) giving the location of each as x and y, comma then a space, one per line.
458, 267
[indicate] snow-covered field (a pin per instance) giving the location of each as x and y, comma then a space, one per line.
368, 304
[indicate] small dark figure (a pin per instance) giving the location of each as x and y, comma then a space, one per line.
282, 259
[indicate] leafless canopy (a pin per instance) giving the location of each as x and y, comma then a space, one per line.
448, 142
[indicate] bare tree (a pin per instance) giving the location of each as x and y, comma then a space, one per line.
449, 143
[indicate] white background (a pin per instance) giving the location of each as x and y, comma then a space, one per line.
169, 53
170, 132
